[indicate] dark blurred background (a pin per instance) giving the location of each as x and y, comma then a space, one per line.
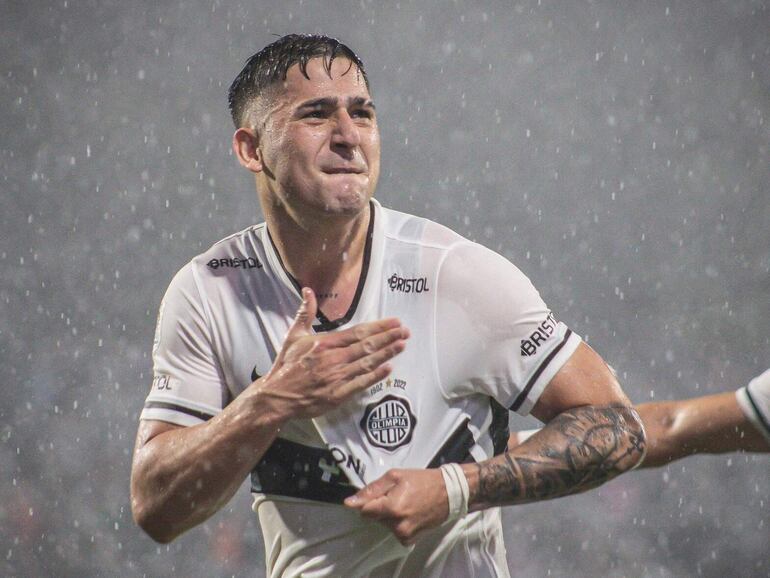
617, 152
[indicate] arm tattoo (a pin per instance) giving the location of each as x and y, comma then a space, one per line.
578, 450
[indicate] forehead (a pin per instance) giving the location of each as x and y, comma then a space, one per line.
344, 80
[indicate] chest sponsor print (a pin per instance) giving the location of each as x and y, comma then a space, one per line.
404, 285
389, 422
234, 263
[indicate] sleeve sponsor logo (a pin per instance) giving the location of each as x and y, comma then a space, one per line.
544, 331
389, 422
415, 285
235, 263
161, 382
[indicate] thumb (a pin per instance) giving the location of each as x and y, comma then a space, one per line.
303, 320
300, 327
377, 489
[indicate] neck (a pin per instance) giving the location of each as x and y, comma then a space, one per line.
320, 253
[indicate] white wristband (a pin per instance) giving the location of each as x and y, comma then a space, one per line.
457, 490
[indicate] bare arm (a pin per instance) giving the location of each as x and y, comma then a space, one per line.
592, 435
711, 424
181, 476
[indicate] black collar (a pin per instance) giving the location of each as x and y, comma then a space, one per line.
325, 323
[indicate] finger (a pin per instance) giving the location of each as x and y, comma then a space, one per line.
362, 331
377, 509
374, 343
303, 320
374, 360
404, 532
364, 380
376, 489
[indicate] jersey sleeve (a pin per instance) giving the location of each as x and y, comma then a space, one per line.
754, 400
494, 333
187, 386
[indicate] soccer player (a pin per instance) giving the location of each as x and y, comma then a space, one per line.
373, 422
711, 424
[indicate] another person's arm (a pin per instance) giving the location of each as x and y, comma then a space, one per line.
182, 475
711, 424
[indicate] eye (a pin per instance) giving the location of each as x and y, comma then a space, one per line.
361, 113
316, 113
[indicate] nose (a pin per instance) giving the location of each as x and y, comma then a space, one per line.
346, 133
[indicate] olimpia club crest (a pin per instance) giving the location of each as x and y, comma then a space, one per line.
389, 422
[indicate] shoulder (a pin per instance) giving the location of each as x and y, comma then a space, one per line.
234, 252
755, 398
237, 251
463, 263
760, 385
469, 263
407, 228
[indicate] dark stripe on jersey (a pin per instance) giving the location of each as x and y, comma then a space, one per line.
760, 416
325, 323
530, 384
227, 395
457, 449
299, 471
179, 408
280, 261
499, 429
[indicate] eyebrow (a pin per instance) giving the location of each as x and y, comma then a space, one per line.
332, 101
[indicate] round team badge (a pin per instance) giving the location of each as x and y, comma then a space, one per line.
389, 422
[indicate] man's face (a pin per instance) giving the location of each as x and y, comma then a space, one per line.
319, 141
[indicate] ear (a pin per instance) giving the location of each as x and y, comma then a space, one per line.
246, 149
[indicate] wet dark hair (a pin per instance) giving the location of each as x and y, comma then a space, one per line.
271, 64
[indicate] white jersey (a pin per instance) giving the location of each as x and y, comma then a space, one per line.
482, 342
754, 400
